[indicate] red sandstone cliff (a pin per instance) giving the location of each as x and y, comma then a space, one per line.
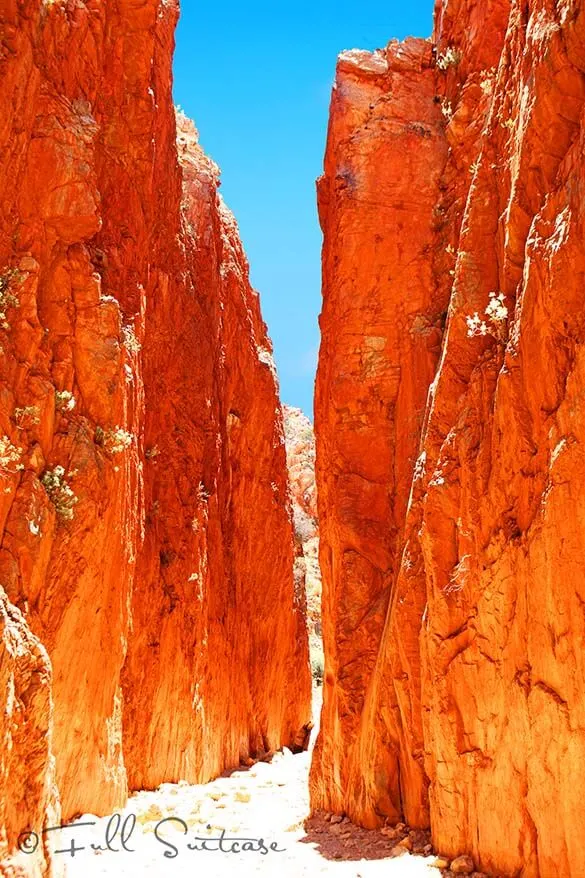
145, 530
26, 765
215, 611
453, 663
381, 326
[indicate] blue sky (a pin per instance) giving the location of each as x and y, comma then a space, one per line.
256, 77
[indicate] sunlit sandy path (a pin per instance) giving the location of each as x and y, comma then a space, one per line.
269, 801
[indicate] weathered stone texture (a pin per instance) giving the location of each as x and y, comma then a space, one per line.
145, 522
465, 654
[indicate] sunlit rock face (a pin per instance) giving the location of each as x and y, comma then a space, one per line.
27, 772
219, 637
145, 525
454, 670
384, 307
300, 457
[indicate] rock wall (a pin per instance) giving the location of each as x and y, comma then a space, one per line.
26, 765
215, 611
467, 662
145, 527
383, 312
300, 459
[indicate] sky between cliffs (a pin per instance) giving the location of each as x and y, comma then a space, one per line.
256, 77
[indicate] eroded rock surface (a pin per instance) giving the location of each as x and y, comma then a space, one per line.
461, 646
216, 611
27, 772
145, 526
381, 325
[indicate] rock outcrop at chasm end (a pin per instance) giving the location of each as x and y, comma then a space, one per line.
149, 626
450, 425
300, 456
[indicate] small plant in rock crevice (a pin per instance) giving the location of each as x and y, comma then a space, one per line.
449, 58
64, 401
486, 81
130, 341
28, 412
8, 278
495, 324
114, 441
10, 456
60, 492
447, 109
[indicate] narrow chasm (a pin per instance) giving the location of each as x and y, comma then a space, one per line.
232, 641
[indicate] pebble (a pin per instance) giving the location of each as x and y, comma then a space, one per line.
440, 863
242, 796
463, 865
398, 851
389, 832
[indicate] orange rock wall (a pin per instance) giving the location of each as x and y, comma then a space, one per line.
156, 565
216, 611
471, 685
381, 325
26, 765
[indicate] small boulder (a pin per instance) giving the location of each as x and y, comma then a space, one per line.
463, 865
336, 818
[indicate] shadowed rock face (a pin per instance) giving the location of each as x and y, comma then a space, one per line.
453, 608
145, 526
